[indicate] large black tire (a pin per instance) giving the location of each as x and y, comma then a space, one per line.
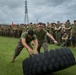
48, 62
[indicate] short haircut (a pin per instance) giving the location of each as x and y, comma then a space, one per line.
74, 20
30, 32
68, 20
40, 23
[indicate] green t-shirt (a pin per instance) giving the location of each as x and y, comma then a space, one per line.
28, 40
41, 35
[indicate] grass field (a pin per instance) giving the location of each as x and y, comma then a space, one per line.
7, 46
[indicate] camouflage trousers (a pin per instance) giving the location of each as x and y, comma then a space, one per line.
58, 37
74, 39
42, 44
19, 48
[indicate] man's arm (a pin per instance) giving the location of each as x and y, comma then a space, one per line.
23, 40
49, 35
36, 43
64, 38
58, 28
36, 46
67, 28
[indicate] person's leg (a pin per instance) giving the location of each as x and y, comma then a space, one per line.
45, 46
18, 49
39, 47
59, 37
66, 43
73, 41
31, 48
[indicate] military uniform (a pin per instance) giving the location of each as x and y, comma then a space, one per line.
48, 39
19, 47
51, 31
69, 30
58, 33
74, 35
11, 32
67, 41
68, 25
41, 36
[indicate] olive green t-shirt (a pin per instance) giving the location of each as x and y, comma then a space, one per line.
28, 40
41, 35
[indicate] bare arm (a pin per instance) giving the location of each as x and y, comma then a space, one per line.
49, 35
58, 28
36, 46
24, 43
26, 46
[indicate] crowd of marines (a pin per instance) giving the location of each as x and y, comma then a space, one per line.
55, 29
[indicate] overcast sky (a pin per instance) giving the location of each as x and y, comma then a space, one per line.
38, 10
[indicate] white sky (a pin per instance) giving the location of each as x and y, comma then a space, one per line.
41, 10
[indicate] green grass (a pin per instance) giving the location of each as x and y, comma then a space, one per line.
7, 46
